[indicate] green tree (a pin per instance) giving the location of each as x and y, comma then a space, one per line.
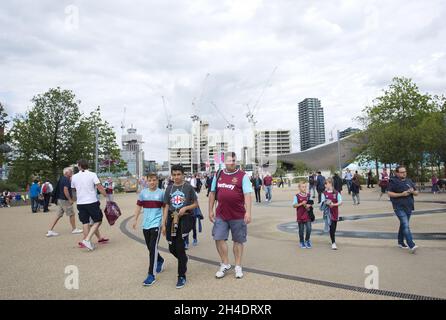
54, 134
393, 131
3, 136
300, 168
109, 152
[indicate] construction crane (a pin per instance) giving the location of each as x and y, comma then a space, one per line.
169, 129
169, 124
251, 112
229, 125
123, 122
196, 103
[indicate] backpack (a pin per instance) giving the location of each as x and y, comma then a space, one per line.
45, 188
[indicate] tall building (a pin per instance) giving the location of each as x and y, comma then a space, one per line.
200, 144
347, 132
311, 123
132, 152
181, 150
271, 143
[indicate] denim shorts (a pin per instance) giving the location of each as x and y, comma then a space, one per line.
239, 230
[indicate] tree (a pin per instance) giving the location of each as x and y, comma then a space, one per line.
300, 168
109, 152
393, 125
3, 137
54, 134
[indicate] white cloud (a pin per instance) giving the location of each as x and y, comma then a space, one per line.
128, 54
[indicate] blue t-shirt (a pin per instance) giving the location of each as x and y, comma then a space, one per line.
398, 186
34, 190
246, 183
152, 202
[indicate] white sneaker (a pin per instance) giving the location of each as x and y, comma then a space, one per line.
238, 272
77, 231
413, 249
223, 269
51, 233
334, 247
88, 244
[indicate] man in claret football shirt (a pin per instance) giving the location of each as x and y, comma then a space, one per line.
232, 189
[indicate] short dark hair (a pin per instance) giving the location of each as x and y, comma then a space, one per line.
36, 181
83, 164
397, 169
177, 167
319, 172
230, 154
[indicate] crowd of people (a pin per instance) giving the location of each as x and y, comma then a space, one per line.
170, 208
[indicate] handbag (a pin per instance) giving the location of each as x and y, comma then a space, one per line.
310, 211
112, 212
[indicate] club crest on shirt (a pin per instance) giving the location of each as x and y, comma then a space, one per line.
234, 180
177, 200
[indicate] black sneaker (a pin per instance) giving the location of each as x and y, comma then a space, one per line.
181, 282
403, 246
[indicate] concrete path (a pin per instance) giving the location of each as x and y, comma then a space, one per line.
275, 268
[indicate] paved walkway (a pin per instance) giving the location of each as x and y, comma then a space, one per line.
33, 265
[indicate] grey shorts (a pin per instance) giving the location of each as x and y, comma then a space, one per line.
64, 206
239, 230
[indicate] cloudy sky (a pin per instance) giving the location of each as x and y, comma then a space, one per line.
120, 54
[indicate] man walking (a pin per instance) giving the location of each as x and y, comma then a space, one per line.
268, 186
370, 179
34, 192
85, 183
180, 200
312, 184
232, 189
257, 184
348, 179
64, 202
401, 191
47, 189
320, 186
337, 182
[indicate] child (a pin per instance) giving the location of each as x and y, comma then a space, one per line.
330, 201
180, 199
302, 205
151, 199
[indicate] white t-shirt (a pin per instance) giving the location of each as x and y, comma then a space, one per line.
85, 184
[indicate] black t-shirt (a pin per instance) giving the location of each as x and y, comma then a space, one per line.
64, 182
179, 196
399, 186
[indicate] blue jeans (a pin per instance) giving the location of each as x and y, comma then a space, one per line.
307, 227
268, 192
404, 230
349, 186
313, 190
34, 204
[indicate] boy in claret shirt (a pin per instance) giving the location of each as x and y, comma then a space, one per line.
152, 200
331, 200
302, 205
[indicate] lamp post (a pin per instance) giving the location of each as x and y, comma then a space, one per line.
96, 130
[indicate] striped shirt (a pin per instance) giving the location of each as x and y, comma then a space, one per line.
152, 202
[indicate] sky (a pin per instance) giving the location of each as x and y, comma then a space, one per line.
127, 54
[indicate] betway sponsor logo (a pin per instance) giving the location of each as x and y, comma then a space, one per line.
226, 186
